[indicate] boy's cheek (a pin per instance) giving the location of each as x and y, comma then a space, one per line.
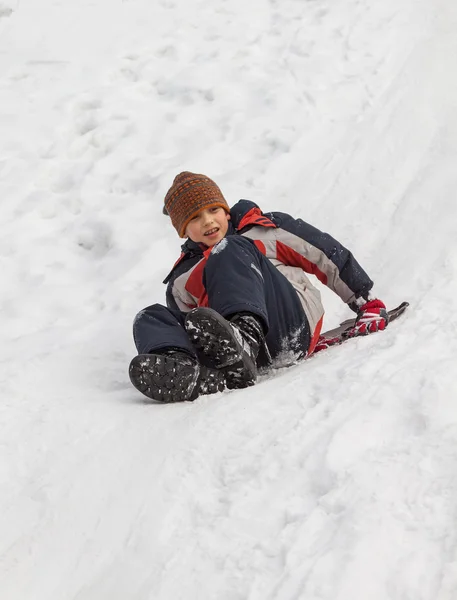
191, 231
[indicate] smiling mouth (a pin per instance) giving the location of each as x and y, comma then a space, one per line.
211, 231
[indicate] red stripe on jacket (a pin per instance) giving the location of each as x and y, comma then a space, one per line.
315, 336
291, 258
194, 284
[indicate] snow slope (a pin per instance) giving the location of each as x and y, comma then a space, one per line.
335, 480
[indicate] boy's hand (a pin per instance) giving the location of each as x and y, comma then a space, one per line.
372, 317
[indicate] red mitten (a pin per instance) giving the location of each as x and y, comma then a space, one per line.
372, 317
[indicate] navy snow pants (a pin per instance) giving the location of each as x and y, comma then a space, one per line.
237, 278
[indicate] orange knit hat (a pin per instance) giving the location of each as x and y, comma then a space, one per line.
188, 195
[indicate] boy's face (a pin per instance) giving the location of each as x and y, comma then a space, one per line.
209, 226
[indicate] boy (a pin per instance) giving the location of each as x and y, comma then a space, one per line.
238, 298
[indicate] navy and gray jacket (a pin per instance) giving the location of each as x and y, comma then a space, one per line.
296, 248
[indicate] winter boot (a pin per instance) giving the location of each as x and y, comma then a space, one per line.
173, 376
230, 346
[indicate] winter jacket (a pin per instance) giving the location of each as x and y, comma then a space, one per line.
296, 248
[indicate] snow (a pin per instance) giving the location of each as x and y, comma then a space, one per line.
219, 247
336, 478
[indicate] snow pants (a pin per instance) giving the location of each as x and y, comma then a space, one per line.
237, 278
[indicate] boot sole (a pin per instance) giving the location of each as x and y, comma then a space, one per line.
214, 338
163, 378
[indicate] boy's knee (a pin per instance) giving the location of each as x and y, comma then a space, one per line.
233, 246
146, 312
138, 318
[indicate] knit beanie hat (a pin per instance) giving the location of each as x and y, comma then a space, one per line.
189, 194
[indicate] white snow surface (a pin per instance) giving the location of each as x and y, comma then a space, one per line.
333, 480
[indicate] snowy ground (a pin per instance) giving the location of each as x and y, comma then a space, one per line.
336, 480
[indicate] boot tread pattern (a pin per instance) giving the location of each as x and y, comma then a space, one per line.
163, 378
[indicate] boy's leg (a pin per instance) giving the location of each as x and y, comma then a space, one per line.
166, 368
245, 288
158, 328
239, 278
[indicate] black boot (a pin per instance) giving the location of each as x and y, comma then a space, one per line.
231, 346
173, 376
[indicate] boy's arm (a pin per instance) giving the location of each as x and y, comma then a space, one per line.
302, 245
177, 297
172, 302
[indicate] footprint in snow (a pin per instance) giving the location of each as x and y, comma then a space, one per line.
95, 237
